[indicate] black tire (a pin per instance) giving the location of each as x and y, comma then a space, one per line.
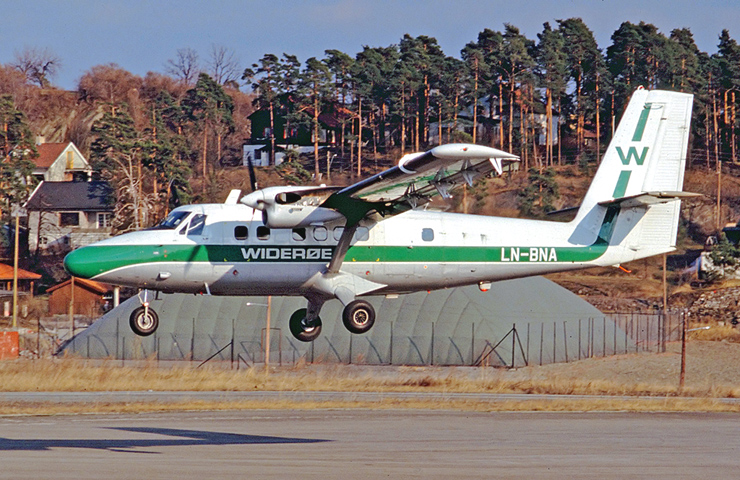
301, 331
358, 316
144, 324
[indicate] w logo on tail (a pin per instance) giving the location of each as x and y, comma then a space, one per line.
632, 153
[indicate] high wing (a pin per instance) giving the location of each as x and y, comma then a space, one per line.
417, 179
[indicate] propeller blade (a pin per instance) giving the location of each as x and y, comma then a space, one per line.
252, 178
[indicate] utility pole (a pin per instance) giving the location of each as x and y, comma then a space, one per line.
267, 333
15, 273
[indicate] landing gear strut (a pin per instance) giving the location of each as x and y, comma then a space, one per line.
302, 329
144, 321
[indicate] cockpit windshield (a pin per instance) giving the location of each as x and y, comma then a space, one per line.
172, 221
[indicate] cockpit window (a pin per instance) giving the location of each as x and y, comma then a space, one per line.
197, 224
172, 221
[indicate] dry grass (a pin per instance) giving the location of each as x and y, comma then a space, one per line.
565, 405
717, 333
77, 375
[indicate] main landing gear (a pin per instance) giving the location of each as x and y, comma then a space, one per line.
358, 316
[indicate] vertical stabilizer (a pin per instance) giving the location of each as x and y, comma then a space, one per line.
643, 168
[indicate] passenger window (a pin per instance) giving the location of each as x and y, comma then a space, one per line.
338, 233
299, 234
362, 234
241, 232
196, 225
263, 233
320, 234
427, 234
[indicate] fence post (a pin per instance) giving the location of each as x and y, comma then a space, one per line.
614, 321
565, 341
554, 342
513, 344
192, 342
431, 353
350, 349
233, 334
390, 352
526, 360
542, 335
603, 334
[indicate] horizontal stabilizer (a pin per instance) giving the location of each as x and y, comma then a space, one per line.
648, 198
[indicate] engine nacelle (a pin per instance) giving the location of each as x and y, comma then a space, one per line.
293, 216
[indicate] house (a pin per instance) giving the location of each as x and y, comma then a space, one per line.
60, 162
63, 216
26, 282
26, 279
91, 298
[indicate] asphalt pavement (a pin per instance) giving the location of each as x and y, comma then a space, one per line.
341, 444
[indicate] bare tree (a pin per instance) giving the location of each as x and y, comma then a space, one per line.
223, 65
38, 65
185, 66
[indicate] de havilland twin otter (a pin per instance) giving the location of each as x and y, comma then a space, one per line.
375, 237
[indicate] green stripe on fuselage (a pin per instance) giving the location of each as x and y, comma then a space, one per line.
95, 260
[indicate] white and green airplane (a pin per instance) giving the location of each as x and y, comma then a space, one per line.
375, 237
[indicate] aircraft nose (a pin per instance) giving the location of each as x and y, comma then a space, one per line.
82, 263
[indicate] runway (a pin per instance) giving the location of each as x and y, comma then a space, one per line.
341, 444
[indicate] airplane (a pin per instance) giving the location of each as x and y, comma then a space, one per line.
376, 238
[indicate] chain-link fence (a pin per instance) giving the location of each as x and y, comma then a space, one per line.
525, 343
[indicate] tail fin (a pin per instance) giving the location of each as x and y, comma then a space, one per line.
643, 169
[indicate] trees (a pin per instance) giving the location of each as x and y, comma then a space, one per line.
314, 87
586, 68
185, 66
16, 148
266, 84
118, 156
551, 66
38, 65
209, 109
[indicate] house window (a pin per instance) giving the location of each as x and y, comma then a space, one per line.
104, 219
241, 232
69, 219
70, 160
43, 241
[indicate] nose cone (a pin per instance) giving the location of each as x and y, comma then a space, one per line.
82, 263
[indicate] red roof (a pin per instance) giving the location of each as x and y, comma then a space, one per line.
6, 273
92, 285
48, 153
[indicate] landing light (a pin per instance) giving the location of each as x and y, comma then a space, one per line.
484, 286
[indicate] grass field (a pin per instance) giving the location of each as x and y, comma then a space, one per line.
711, 377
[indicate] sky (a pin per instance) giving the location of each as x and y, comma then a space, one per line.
141, 36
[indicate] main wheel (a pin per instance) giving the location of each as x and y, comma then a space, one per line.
300, 328
358, 316
144, 321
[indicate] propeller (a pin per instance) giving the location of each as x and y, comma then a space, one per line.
252, 177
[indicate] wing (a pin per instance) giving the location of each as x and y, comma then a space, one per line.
417, 179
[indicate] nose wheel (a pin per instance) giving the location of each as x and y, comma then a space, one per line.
302, 329
144, 321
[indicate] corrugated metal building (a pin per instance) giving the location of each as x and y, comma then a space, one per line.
460, 326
